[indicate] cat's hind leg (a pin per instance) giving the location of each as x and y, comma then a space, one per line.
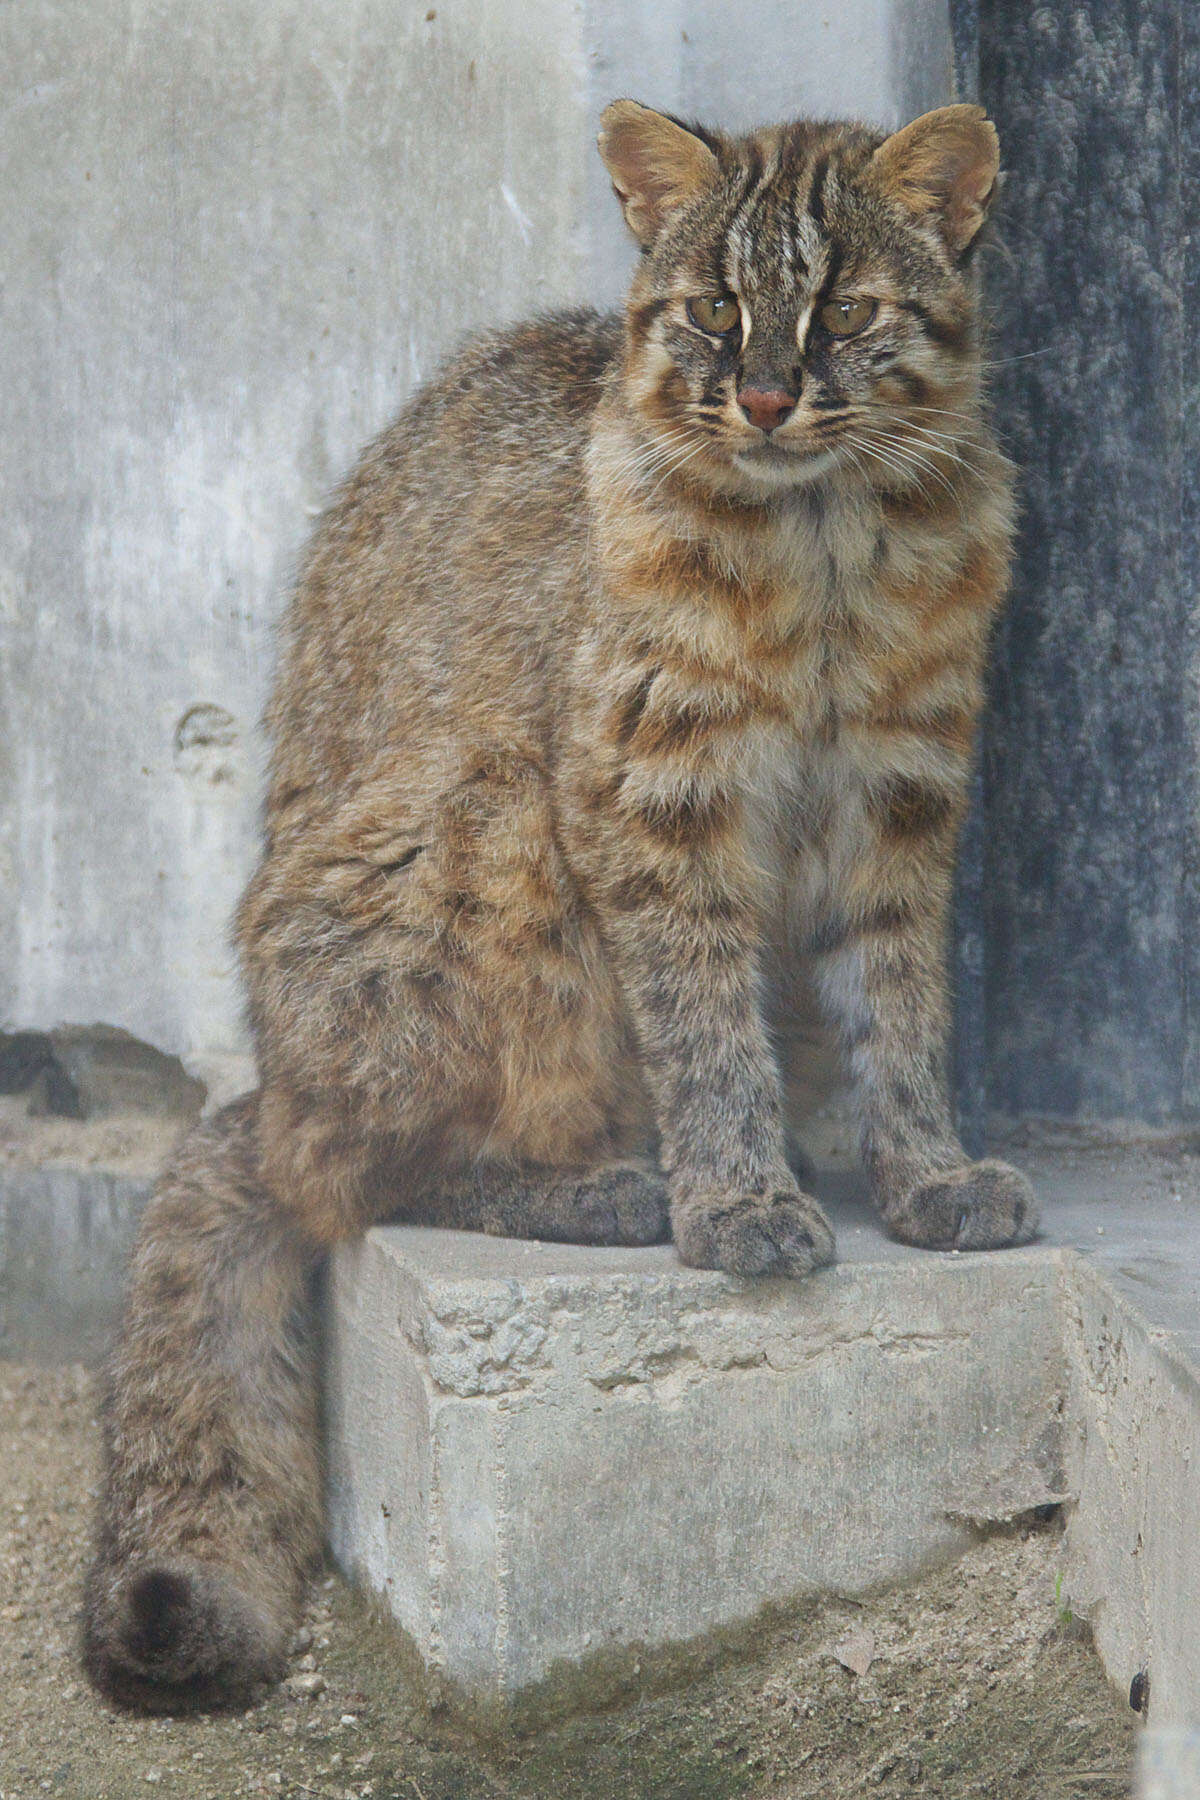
439, 1043
607, 1203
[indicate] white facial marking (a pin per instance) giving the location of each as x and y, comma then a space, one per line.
808, 240
793, 473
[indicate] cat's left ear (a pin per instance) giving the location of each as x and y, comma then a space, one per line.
943, 167
657, 165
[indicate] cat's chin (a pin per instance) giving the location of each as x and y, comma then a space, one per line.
776, 467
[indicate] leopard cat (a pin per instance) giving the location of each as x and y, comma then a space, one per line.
631, 681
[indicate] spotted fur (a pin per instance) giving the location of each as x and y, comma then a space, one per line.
602, 717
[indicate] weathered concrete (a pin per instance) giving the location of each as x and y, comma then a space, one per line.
235, 237
539, 1453
1133, 1458
1169, 1765
1081, 915
586, 1450
65, 1238
491, 1396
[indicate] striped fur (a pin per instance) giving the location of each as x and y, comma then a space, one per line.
601, 719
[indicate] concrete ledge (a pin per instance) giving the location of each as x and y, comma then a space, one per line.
543, 1452
540, 1454
1133, 1567
1169, 1765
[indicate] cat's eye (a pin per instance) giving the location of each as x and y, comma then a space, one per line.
846, 318
717, 314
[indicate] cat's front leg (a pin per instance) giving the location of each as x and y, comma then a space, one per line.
880, 969
658, 832
690, 979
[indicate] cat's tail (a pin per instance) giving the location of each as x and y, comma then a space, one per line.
210, 1513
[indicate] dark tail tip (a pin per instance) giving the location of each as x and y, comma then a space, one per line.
160, 1602
178, 1639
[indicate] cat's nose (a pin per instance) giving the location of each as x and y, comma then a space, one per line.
766, 407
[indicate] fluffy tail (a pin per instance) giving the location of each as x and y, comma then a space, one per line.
210, 1515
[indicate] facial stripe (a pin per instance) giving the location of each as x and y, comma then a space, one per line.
815, 202
947, 334
833, 269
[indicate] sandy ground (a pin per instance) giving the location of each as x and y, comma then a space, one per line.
970, 1687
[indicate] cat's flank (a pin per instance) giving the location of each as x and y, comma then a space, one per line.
634, 668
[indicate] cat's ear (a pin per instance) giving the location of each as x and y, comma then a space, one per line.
943, 167
656, 164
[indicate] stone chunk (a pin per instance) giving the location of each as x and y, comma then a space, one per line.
539, 1452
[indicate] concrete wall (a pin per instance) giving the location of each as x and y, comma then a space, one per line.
235, 236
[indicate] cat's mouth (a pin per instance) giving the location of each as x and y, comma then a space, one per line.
782, 461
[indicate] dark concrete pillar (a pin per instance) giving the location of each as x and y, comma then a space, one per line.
1079, 947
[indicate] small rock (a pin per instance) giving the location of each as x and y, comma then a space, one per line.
309, 1684
857, 1652
302, 1641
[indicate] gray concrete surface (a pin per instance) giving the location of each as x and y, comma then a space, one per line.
235, 237
538, 1453
459, 1362
1133, 1453
1169, 1765
65, 1238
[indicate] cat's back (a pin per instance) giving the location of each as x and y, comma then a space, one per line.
442, 579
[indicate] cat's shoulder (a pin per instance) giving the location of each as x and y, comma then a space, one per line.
557, 357
516, 396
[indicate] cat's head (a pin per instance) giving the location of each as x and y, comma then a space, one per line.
801, 306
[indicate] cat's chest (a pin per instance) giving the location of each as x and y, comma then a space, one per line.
841, 626
852, 633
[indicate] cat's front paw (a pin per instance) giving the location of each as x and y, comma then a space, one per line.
781, 1232
981, 1206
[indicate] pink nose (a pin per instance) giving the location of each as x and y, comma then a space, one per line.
766, 407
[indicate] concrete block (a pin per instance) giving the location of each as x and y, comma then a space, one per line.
1133, 1456
539, 1453
1169, 1765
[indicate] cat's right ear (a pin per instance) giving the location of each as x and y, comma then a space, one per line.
657, 165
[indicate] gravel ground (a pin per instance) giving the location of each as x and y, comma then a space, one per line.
967, 1687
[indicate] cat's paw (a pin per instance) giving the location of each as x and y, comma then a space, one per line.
981, 1206
780, 1232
